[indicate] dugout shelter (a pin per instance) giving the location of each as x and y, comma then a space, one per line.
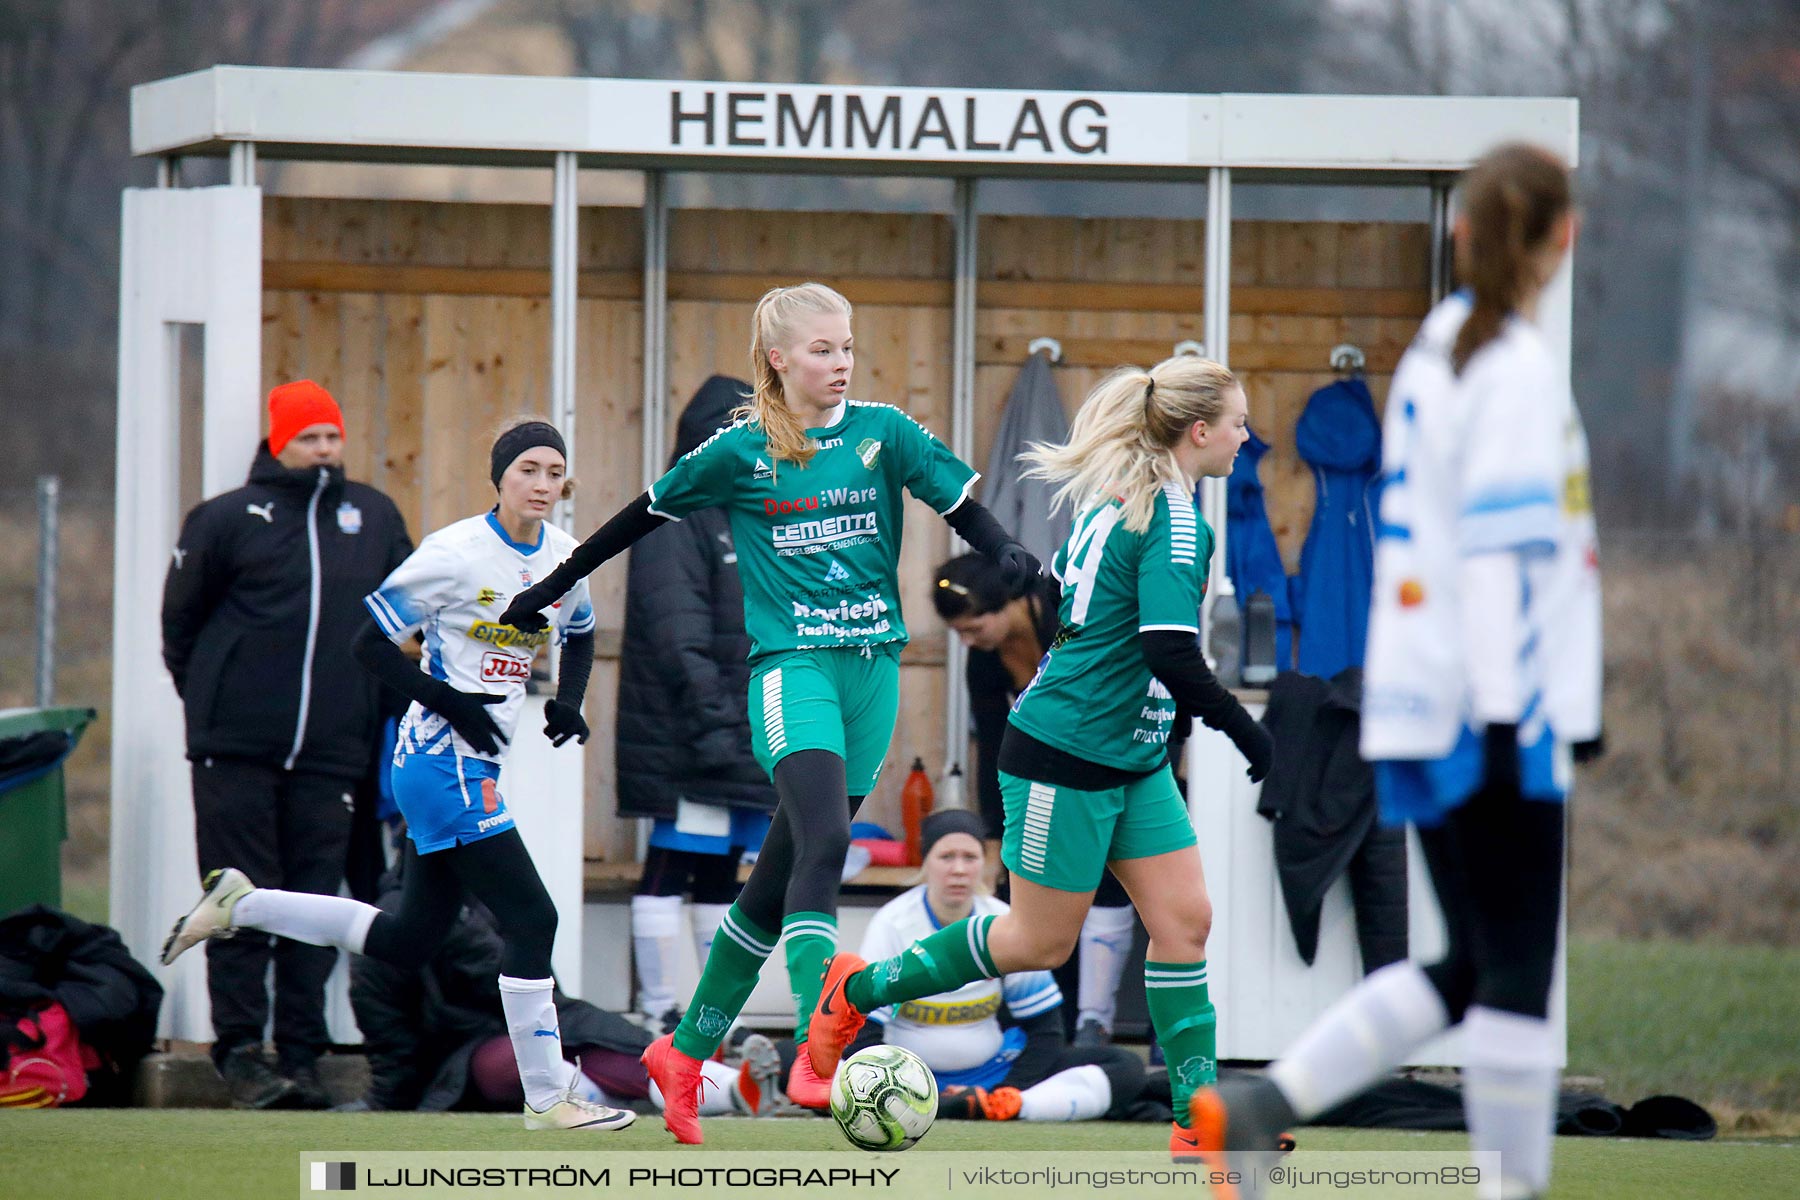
432, 321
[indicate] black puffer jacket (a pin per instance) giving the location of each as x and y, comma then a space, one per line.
684, 676
46, 955
238, 617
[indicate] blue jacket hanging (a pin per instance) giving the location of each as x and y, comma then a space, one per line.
1252, 558
1339, 437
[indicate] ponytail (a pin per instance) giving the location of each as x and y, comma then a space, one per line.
1511, 200
1124, 436
772, 325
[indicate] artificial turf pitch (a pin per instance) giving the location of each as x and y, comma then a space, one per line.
213, 1155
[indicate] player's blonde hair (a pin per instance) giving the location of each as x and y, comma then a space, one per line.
1124, 437
772, 326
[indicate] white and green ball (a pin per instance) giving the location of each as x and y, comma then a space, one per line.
884, 1098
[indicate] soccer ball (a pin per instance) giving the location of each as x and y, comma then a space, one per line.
884, 1098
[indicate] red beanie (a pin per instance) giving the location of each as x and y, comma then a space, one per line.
294, 406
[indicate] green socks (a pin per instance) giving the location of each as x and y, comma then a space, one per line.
811, 938
954, 955
726, 981
1186, 1028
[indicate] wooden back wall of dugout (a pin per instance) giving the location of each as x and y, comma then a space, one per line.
430, 323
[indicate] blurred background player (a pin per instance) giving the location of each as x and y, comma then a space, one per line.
1483, 673
986, 1069
1084, 768
1007, 637
259, 609
467, 695
813, 483
436, 1035
684, 755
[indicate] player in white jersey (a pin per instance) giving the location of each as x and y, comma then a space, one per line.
467, 693
1482, 677
985, 1070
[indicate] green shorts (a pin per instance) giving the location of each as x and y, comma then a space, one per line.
1062, 838
838, 700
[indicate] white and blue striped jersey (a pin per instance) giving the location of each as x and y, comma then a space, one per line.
951, 1031
1494, 460
453, 589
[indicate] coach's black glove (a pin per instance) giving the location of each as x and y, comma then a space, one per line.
1018, 567
1500, 759
523, 613
468, 714
562, 722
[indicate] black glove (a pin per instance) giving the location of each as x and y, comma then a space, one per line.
1018, 567
1500, 758
468, 714
1586, 752
1255, 744
564, 721
523, 613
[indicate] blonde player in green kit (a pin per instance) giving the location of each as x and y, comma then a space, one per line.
1084, 764
812, 481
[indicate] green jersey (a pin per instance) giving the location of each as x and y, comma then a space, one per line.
818, 545
1092, 695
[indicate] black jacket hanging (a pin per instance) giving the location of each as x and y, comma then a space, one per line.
1321, 796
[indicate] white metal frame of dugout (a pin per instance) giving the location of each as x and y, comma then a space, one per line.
200, 262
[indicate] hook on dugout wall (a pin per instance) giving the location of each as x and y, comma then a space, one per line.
1189, 348
1046, 343
1347, 359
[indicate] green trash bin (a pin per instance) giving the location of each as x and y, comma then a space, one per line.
33, 820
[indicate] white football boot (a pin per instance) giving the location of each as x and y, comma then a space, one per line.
572, 1112
211, 918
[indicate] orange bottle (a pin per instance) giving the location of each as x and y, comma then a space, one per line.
915, 806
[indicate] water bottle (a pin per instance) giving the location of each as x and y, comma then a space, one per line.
950, 789
1226, 639
1260, 666
915, 806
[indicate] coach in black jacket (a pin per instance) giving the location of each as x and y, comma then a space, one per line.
261, 602
684, 721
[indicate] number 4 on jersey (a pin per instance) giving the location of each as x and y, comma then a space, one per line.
1082, 556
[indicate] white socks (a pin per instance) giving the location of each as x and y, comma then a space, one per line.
305, 917
1509, 1096
1077, 1094
1105, 945
1359, 1039
707, 918
715, 1094
655, 929
536, 1038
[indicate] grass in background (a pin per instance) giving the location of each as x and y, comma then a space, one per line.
1717, 1024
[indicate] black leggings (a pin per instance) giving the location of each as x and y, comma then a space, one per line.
1496, 863
802, 860
710, 878
498, 872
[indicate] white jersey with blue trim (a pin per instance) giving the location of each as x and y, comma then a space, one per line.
951, 1031
453, 589
1492, 460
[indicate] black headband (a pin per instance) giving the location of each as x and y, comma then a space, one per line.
946, 821
517, 440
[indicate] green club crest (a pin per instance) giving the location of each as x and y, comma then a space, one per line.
712, 1022
1197, 1071
869, 450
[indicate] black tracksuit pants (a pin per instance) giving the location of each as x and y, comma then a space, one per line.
284, 829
